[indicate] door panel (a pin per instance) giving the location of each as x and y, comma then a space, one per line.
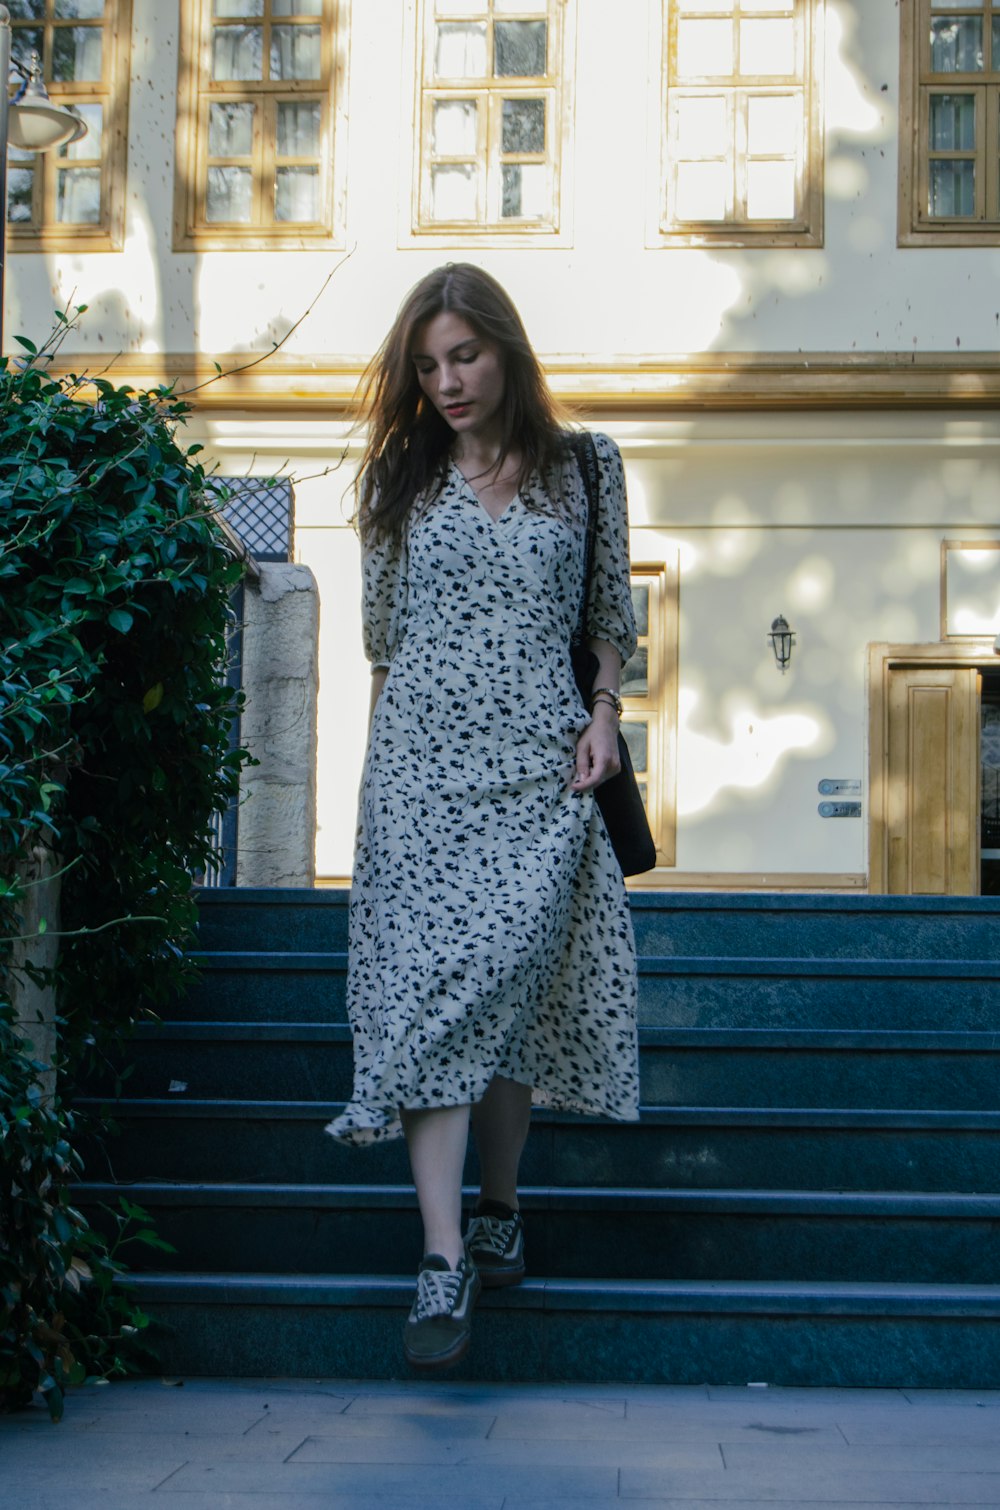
930, 843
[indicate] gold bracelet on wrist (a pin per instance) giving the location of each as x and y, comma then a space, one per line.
607, 703
610, 694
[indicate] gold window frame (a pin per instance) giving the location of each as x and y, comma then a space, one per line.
45, 233
658, 708
197, 92
805, 227
555, 87
916, 226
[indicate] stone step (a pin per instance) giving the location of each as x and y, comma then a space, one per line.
688, 1147
684, 1067
674, 991
576, 1233
770, 926
560, 1330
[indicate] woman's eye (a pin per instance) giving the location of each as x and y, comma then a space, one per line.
466, 360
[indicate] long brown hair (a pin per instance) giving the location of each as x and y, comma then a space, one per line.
408, 440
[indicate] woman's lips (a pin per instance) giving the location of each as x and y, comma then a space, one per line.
455, 410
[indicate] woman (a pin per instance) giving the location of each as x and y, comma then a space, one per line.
491, 952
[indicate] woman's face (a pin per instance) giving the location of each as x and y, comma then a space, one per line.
461, 374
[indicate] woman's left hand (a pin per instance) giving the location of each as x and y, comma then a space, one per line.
597, 750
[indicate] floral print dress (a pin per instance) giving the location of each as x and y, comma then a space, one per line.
489, 924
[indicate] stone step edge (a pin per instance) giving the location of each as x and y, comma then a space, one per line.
692, 1297
819, 1040
335, 961
882, 1204
222, 899
827, 1118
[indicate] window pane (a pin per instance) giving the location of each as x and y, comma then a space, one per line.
460, 7
78, 10
706, 5
525, 191
767, 47
995, 54
76, 53
295, 52
230, 130
704, 48
953, 187
88, 146
956, 45
454, 129
523, 127
516, 7
768, 5
299, 128
702, 190
296, 194
296, 7
771, 191
519, 49
454, 192
773, 124
78, 196
237, 53
635, 675
640, 607
953, 122
26, 10
19, 184
239, 8
230, 195
24, 40
636, 736
702, 128
461, 52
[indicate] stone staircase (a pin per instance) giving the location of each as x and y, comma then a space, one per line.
811, 1196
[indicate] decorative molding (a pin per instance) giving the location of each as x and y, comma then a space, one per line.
724, 880
668, 384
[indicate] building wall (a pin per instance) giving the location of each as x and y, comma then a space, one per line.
833, 518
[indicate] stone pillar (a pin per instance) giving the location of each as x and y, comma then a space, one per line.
35, 1006
277, 818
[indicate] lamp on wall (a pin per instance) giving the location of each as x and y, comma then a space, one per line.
29, 121
782, 638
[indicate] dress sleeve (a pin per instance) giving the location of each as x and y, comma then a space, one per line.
610, 615
383, 599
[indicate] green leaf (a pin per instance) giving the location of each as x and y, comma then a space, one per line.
120, 619
28, 345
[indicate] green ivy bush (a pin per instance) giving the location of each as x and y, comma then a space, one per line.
115, 584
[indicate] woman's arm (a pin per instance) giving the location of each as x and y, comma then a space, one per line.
597, 748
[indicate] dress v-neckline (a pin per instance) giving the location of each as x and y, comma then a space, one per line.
493, 518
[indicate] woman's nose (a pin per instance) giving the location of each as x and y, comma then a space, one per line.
449, 380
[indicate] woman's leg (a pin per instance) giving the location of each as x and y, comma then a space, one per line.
437, 1139
500, 1124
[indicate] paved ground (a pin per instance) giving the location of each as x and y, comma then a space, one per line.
209, 1444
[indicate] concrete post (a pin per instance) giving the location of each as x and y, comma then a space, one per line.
277, 819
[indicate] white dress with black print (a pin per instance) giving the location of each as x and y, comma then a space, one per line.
489, 925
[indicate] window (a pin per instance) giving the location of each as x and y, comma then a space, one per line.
73, 198
491, 115
743, 151
950, 122
257, 123
649, 695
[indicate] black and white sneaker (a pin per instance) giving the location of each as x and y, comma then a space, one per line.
495, 1243
439, 1325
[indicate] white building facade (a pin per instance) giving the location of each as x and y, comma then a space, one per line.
757, 241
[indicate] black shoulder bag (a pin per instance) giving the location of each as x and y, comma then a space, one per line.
619, 799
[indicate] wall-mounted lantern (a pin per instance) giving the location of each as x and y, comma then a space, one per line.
782, 638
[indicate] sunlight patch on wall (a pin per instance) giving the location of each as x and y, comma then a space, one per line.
846, 108
749, 759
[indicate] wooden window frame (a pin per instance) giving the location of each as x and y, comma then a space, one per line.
806, 228
196, 91
46, 233
916, 227
658, 709
555, 87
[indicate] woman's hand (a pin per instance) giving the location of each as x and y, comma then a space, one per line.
597, 750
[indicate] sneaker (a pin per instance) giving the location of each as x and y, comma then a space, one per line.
495, 1243
439, 1325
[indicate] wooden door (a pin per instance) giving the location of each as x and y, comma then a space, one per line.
925, 822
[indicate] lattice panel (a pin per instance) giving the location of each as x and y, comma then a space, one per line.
261, 512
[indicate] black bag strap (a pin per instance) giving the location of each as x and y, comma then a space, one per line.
585, 452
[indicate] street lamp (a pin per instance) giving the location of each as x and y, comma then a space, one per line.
30, 122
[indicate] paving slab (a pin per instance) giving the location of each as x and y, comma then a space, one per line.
811, 1487
454, 1484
